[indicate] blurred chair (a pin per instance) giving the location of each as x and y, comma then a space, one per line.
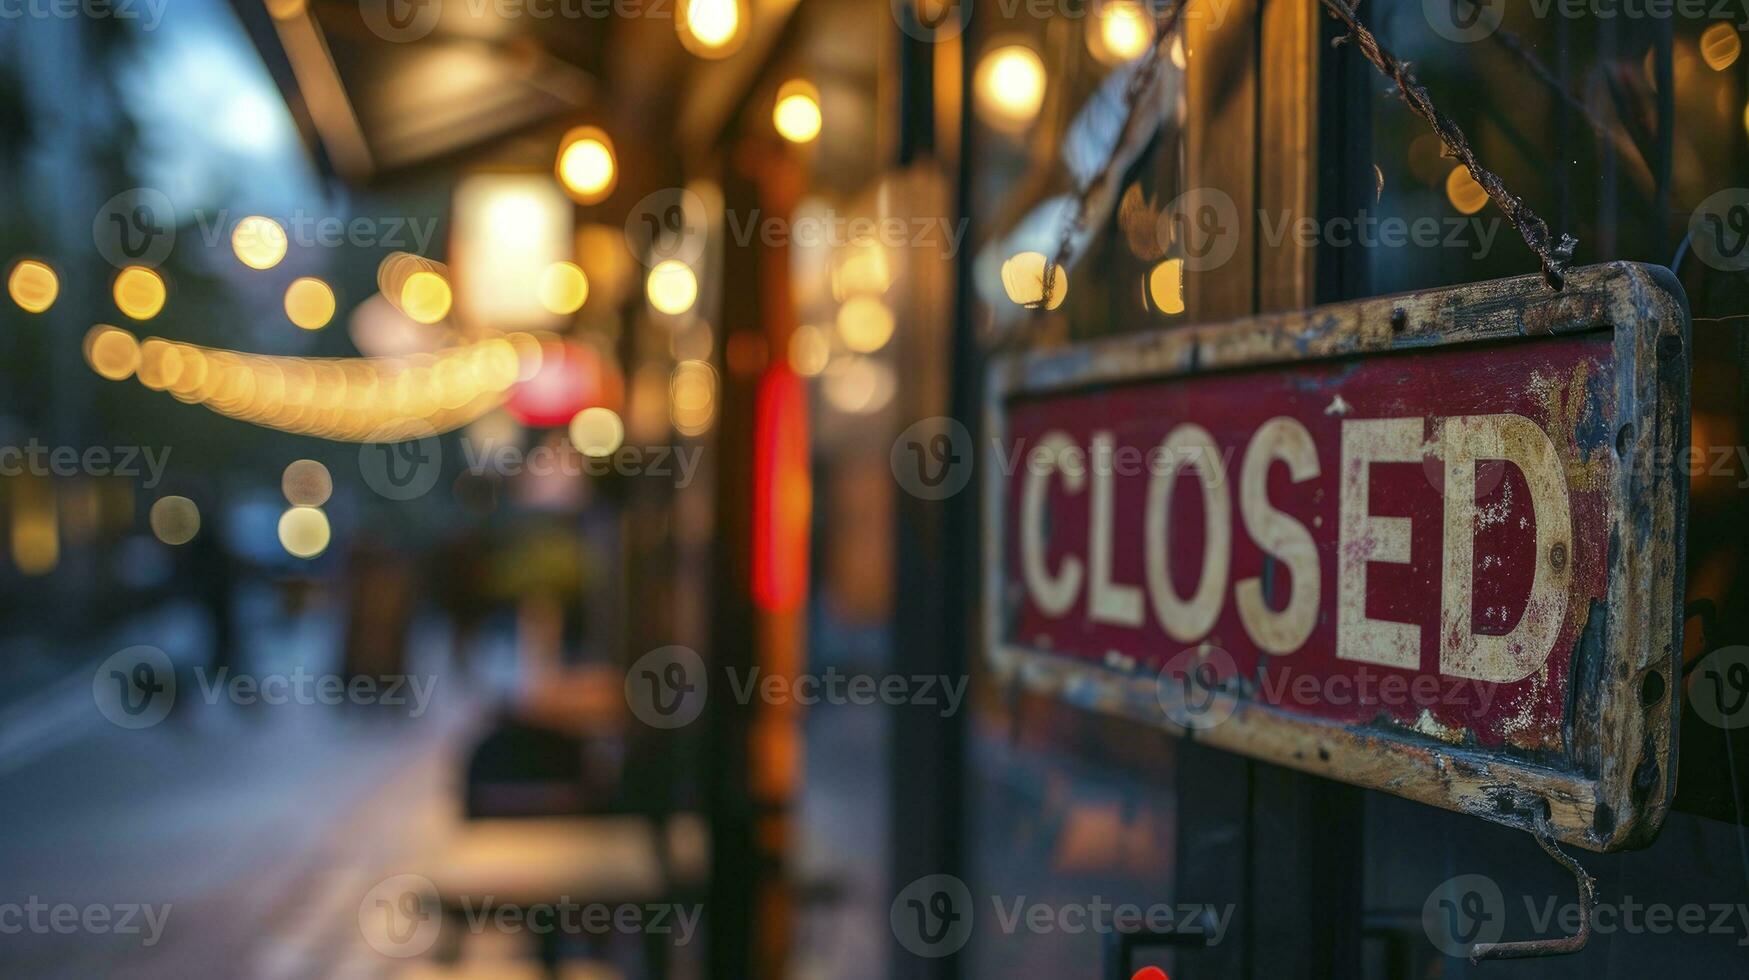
549, 818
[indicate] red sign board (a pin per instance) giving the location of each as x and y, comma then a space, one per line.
1424, 543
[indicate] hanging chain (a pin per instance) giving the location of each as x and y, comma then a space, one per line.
1141, 81
1554, 255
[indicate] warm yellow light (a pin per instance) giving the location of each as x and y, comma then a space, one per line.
586, 165
174, 520
426, 297
1166, 286
304, 532
1023, 279
865, 324
309, 303
710, 28
563, 288
139, 292
1464, 193
1120, 32
1010, 83
597, 432
672, 287
112, 352
259, 242
1720, 46
796, 113
692, 397
36, 535
306, 483
33, 286
809, 350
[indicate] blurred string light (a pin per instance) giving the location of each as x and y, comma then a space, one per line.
309, 303
1010, 86
1166, 286
1119, 32
1023, 279
174, 520
1464, 193
586, 164
809, 350
796, 113
710, 28
139, 292
1720, 46
672, 287
112, 352
416, 286
692, 394
33, 286
306, 483
259, 242
597, 432
360, 399
304, 532
865, 324
563, 288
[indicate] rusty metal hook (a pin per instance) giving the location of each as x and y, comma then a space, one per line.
1525, 949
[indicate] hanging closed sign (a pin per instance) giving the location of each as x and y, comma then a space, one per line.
1427, 543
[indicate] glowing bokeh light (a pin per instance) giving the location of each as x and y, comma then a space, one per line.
1023, 279
710, 28
309, 303
809, 350
586, 164
426, 297
174, 520
112, 352
33, 286
1119, 32
563, 288
139, 292
304, 532
597, 432
672, 287
1464, 193
1720, 46
1166, 286
260, 243
306, 483
864, 324
796, 113
1010, 84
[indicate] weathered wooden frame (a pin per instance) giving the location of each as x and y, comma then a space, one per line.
1620, 779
